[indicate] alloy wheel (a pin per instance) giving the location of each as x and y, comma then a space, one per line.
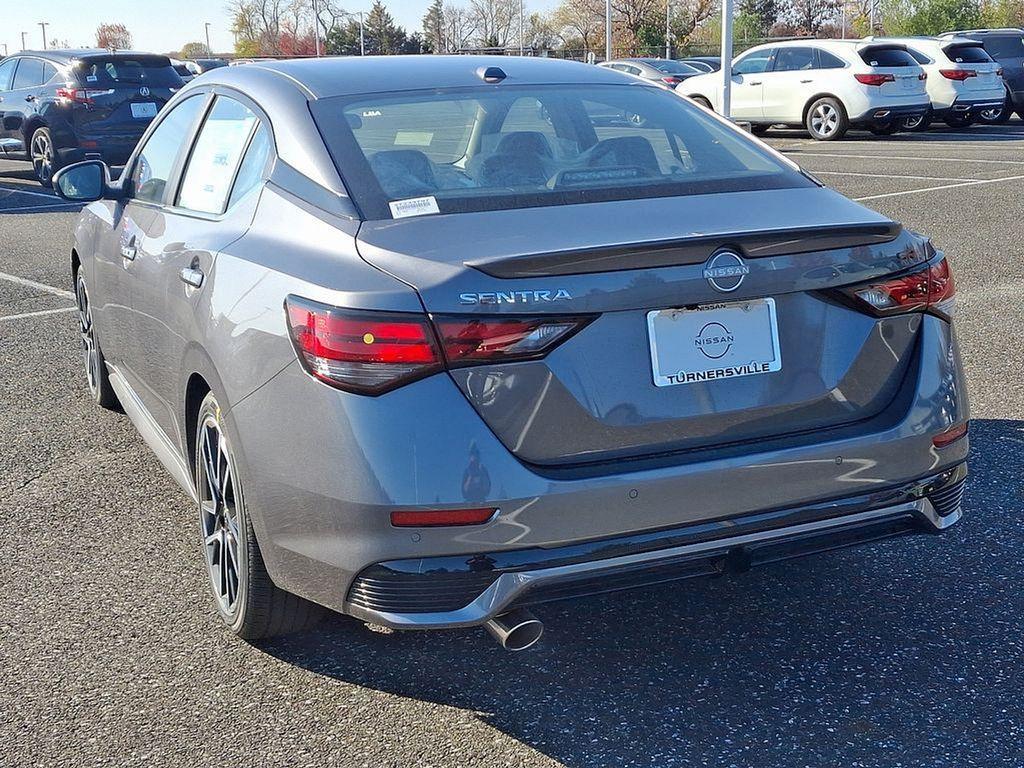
825, 119
90, 352
912, 123
42, 155
223, 539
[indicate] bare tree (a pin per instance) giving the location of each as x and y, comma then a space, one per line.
689, 16
633, 16
459, 28
494, 21
113, 36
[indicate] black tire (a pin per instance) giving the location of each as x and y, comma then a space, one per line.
916, 124
700, 100
44, 156
255, 608
959, 121
884, 130
826, 119
997, 116
759, 130
96, 374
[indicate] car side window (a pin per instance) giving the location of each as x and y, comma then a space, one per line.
154, 164
216, 154
250, 172
49, 72
827, 61
7, 73
29, 74
794, 59
753, 63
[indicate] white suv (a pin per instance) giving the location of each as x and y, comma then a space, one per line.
963, 80
826, 85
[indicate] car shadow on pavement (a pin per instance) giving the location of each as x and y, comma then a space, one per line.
866, 656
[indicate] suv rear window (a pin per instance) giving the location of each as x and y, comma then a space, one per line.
108, 71
1004, 46
887, 57
487, 148
967, 54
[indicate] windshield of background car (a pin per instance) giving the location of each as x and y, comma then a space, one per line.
500, 147
1004, 46
106, 72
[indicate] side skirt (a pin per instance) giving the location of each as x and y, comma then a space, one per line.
151, 432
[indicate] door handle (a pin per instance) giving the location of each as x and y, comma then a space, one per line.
128, 252
755, 82
191, 277
30, 98
806, 81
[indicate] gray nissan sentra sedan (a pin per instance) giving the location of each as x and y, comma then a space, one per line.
433, 340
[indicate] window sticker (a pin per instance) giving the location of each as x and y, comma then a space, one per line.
413, 138
414, 206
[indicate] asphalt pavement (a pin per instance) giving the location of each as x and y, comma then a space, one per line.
904, 653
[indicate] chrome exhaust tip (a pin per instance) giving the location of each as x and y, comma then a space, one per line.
516, 630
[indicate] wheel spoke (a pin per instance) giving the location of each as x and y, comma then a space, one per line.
221, 524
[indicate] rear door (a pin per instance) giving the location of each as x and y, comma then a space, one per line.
906, 81
748, 77
790, 83
972, 56
208, 207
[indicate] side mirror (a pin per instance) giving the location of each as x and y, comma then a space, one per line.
85, 182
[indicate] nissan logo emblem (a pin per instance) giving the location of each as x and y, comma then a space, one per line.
725, 271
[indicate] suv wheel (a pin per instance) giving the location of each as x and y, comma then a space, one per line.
95, 365
959, 121
916, 124
888, 129
247, 600
44, 157
826, 120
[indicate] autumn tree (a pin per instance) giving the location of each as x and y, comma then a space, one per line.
195, 51
113, 36
579, 20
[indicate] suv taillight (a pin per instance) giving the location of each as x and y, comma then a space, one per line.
372, 352
928, 288
958, 74
874, 79
82, 96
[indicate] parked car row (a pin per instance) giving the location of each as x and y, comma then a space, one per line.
881, 84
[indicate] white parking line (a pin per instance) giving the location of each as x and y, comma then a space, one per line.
887, 176
40, 286
40, 313
928, 159
936, 189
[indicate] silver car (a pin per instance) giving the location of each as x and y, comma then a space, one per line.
432, 340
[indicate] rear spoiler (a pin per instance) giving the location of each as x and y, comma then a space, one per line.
690, 250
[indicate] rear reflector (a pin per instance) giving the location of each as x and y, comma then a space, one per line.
875, 79
951, 435
926, 289
957, 74
365, 352
470, 340
428, 518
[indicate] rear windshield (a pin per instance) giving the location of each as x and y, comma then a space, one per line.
887, 57
1004, 46
502, 147
674, 67
967, 54
155, 71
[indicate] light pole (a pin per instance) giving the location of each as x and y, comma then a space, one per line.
44, 25
726, 58
316, 28
668, 39
607, 30
23, 41
522, 42
209, 50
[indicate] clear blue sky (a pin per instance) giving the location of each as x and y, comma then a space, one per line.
156, 25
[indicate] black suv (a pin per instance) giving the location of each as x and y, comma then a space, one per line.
59, 107
1007, 47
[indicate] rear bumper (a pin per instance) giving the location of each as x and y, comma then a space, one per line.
885, 114
968, 108
464, 591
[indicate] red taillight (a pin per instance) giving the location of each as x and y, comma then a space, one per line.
671, 80
367, 352
428, 518
958, 74
372, 352
82, 96
875, 79
951, 435
468, 340
927, 289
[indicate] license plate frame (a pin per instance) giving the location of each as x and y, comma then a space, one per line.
718, 351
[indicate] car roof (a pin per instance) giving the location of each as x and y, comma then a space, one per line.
67, 55
351, 75
993, 31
